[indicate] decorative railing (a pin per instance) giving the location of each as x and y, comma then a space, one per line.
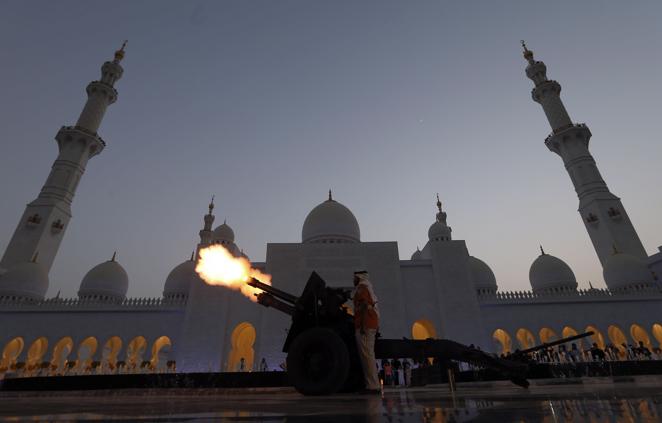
90, 303
513, 297
563, 128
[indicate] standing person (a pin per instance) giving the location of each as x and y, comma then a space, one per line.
263, 365
366, 322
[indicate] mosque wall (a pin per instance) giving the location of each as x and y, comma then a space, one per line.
77, 326
545, 321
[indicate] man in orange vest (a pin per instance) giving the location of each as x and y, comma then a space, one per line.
366, 322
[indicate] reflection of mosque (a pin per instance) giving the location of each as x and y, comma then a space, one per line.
442, 291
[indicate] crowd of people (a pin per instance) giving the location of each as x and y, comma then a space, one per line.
576, 354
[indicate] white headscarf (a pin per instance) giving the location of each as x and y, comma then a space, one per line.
365, 281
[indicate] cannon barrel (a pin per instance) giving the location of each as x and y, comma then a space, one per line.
282, 295
557, 342
269, 300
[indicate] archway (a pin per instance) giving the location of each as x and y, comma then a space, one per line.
597, 337
243, 338
10, 353
504, 341
639, 334
86, 351
36, 353
160, 351
525, 338
60, 353
109, 353
423, 329
135, 351
569, 331
657, 333
617, 337
547, 335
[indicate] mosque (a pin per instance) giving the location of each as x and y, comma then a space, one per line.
193, 326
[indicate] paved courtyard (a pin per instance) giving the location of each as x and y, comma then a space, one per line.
594, 400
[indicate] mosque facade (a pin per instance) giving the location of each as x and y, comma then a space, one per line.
441, 291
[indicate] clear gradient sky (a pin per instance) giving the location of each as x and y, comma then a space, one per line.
268, 104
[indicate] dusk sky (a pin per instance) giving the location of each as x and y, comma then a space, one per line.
269, 104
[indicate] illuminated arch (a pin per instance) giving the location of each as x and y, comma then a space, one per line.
657, 333
86, 351
504, 341
423, 329
110, 352
160, 350
597, 338
639, 334
10, 353
135, 350
569, 331
61, 352
525, 338
617, 337
547, 335
36, 353
243, 339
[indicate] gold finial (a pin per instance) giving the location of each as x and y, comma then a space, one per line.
34, 258
114, 256
330, 196
119, 54
542, 252
528, 54
211, 204
438, 202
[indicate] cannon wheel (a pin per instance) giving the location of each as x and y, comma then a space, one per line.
318, 362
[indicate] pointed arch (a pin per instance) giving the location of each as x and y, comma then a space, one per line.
10, 353
504, 341
243, 339
134, 352
597, 338
618, 338
639, 334
110, 351
657, 333
86, 351
61, 352
423, 329
525, 338
160, 350
547, 335
36, 353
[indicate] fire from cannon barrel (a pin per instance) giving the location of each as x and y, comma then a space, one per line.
217, 266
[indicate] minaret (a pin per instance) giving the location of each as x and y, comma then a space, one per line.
206, 232
45, 219
603, 214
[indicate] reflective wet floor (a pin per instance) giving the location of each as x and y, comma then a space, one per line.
634, 400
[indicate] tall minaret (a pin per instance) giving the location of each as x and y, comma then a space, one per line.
206, 231
45, 219
604, 216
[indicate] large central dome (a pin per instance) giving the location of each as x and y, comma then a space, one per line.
330, 222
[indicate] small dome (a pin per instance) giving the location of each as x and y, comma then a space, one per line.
106, 281
439, 232
223, 233
25, 280
481, 275
330, 221
179, 279
549, 274
418, 255
625, 271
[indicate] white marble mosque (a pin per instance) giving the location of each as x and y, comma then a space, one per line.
196, 327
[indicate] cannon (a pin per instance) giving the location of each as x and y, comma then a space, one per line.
322, 356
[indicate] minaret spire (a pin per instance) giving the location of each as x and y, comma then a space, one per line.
46, 219
206, 231
602, 212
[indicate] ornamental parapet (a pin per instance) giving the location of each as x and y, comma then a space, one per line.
528, 297
64, 304
84, 131
562, 129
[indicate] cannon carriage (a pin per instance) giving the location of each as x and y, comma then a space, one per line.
322, 356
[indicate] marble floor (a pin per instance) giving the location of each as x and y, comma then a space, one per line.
629, 400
